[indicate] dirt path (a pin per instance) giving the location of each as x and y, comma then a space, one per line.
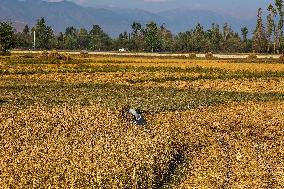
221, 56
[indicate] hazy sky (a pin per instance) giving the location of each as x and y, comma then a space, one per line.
234, 7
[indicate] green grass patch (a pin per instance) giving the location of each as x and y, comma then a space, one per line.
154, 99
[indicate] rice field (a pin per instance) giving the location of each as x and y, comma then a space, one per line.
211, 123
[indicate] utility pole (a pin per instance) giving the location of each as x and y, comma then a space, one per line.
34, 39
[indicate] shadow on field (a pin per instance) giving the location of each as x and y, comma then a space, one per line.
173, 174
154, 99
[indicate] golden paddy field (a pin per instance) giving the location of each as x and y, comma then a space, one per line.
211, 123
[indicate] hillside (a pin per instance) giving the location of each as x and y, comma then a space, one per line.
114, 21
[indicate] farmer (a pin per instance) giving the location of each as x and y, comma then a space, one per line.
136, 116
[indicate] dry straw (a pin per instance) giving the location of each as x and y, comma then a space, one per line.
61, 124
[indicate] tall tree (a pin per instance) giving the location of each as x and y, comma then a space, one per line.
233, 43
44, 34
227, 31
214, 37
23, 39
166, 39
136, 28
229, 40
99, 39
270, 27
6, 37
60, 41
279, 27
152, 37
198, 41
122, 41
244, 31
83, 39
246, 43
259, 38
279, 7
183, 42
72, 31
70, 38
26, 30
137, 41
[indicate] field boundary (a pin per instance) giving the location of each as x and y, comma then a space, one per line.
187, 55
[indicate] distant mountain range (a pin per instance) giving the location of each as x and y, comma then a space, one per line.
62, 14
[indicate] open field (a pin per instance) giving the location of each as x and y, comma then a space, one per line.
211, 123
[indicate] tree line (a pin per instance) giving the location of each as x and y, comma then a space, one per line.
267, 37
